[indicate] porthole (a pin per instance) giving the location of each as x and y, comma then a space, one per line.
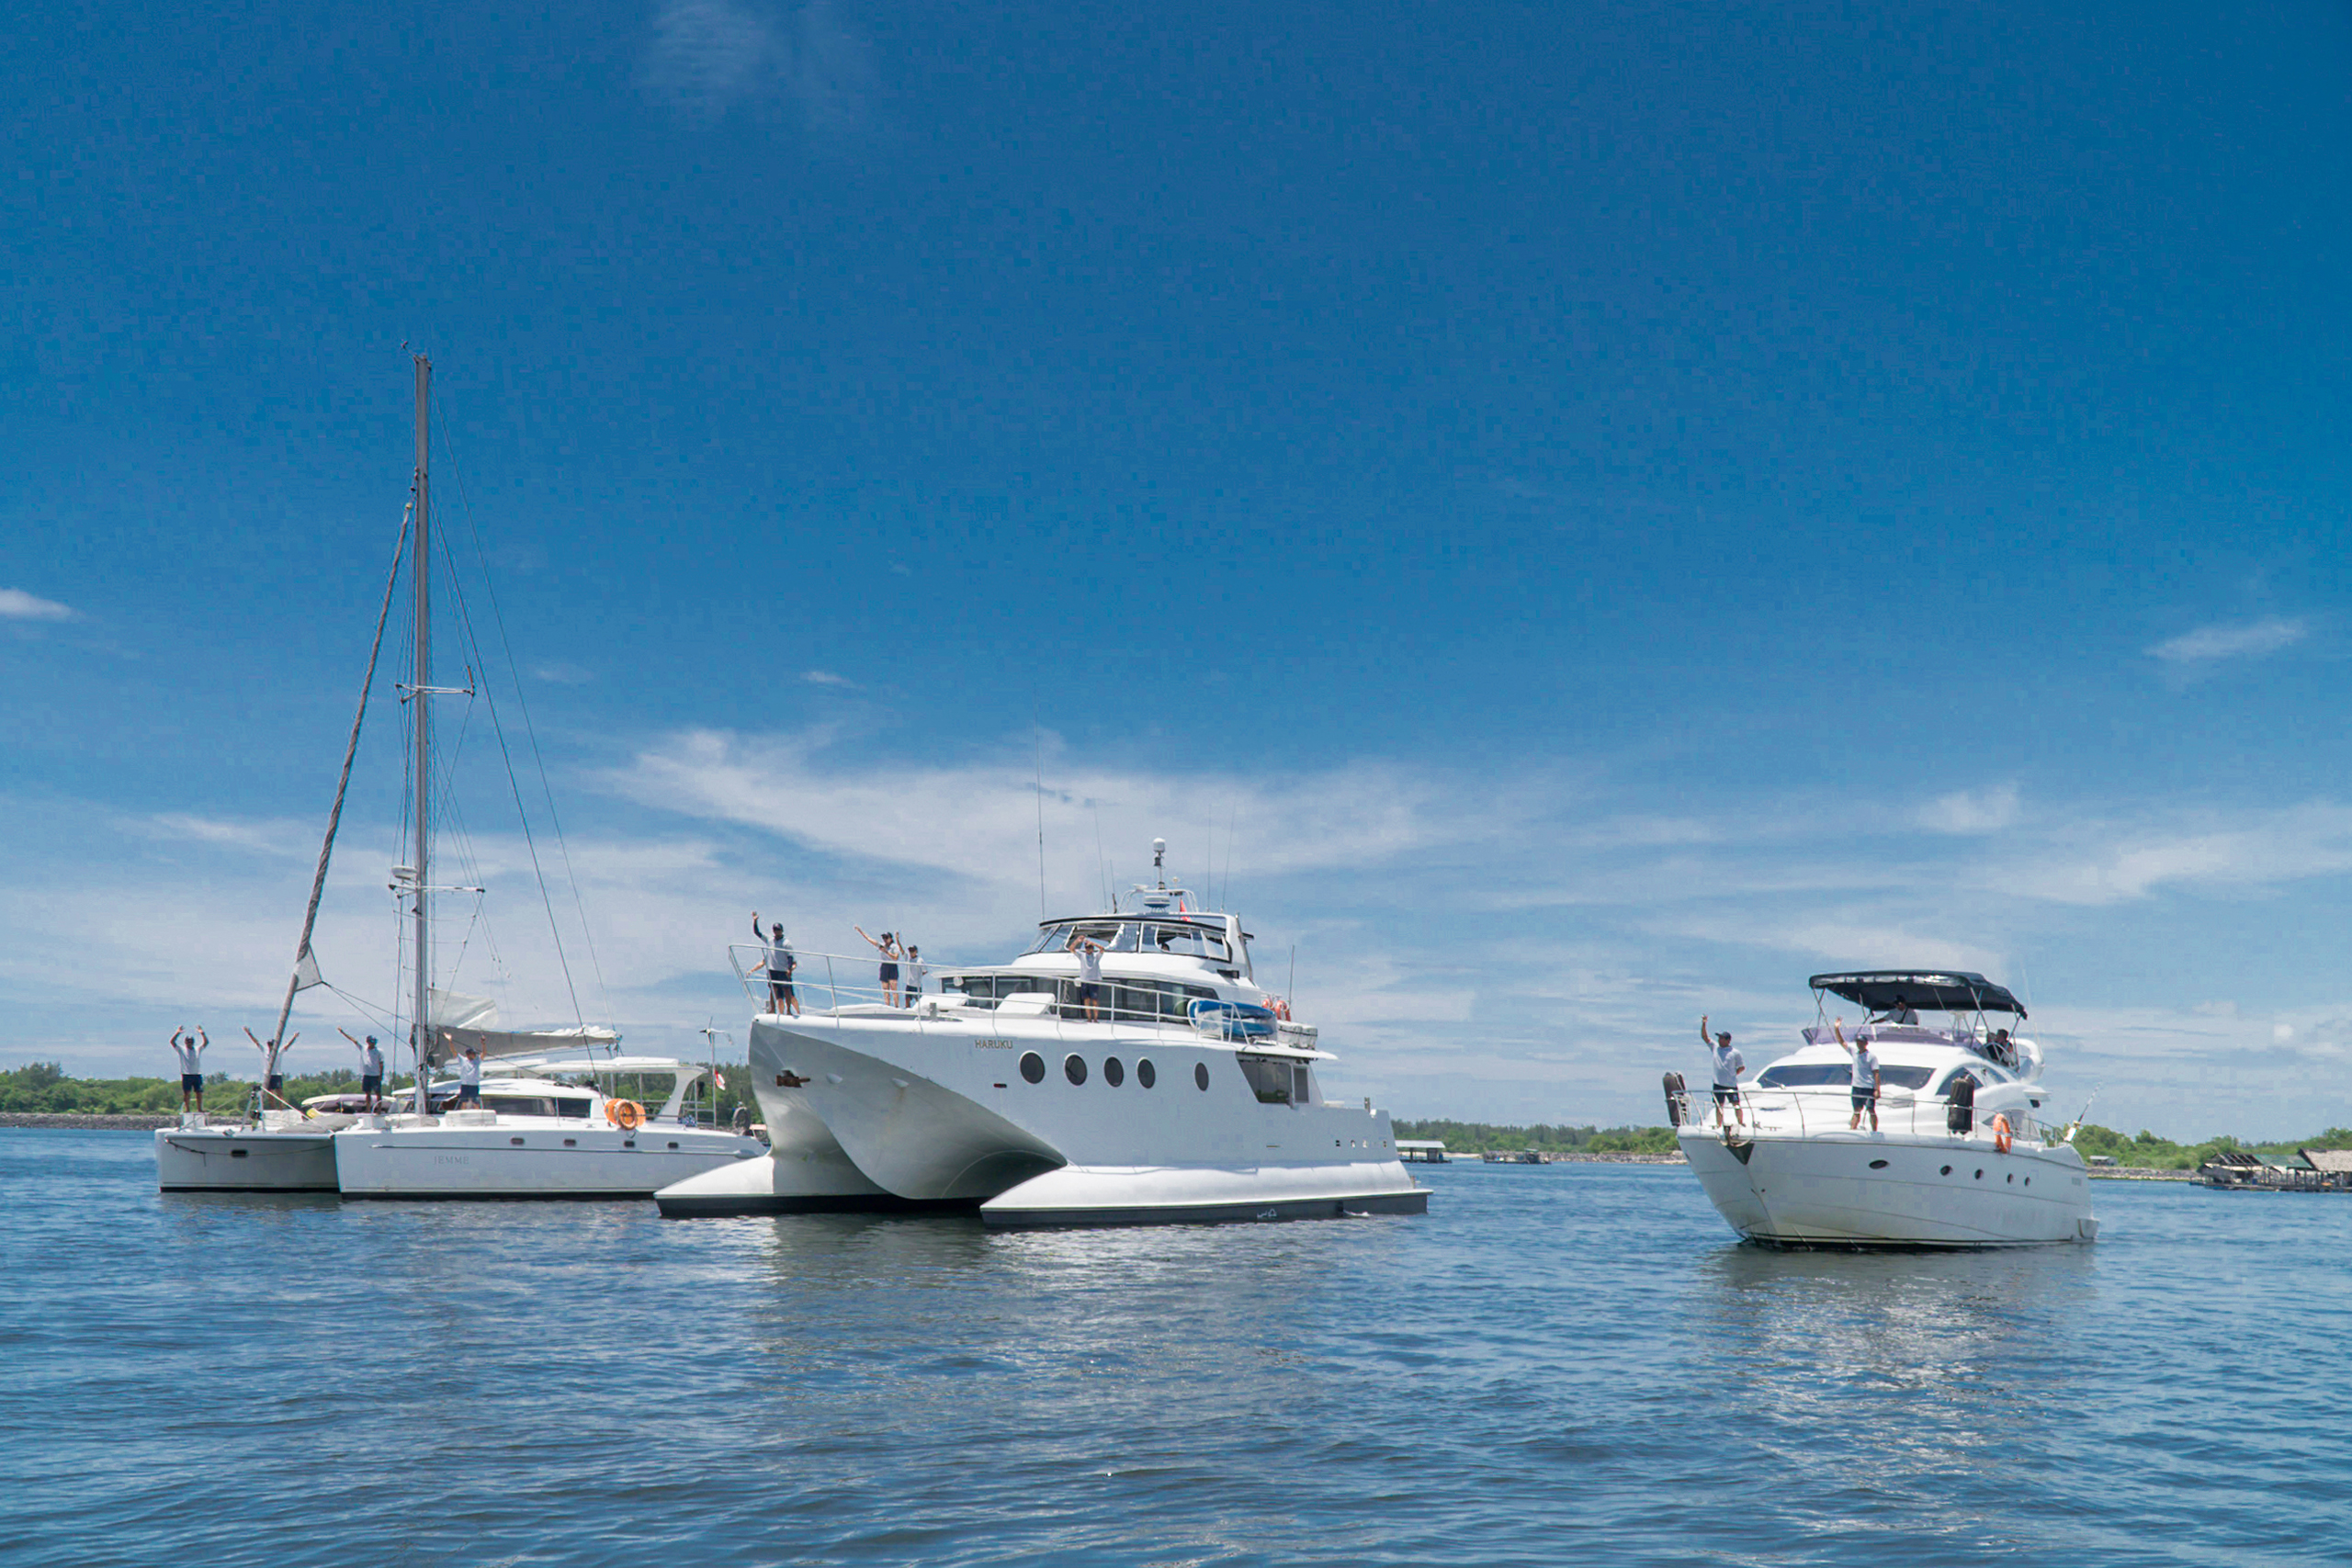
1074, 1067
2029, 1181
240, 1154
1878, 1165
1145, 1074
673, 1145
1201, 1075
1980, 1175
1113, 1073
2013, 1175
1946, 1171
1032, 1067
518, 1143
571, 1142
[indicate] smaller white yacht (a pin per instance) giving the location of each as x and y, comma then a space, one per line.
538, 1134
1958, 1155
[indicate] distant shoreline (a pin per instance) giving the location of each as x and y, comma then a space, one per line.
93, 1121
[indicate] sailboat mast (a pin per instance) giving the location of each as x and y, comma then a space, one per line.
423, 741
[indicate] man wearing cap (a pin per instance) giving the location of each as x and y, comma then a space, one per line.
469, 1078
371, 1068
190, 1050
1728, 1064
778, 959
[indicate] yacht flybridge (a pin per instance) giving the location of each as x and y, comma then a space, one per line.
1959, 1153
1127, 1068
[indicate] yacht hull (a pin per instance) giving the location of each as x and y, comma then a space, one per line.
514, 1159
244, 1159
1822, 1189
938, 1111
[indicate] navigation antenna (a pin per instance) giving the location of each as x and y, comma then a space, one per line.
1158, 853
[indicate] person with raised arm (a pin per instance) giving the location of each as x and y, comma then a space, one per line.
1866, 1075
371, 1067
887, 944
1728, 1065
188, 1048
272, 1080
778, 960
469, 1078
1089, 972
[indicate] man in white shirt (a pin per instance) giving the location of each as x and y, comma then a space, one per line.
273, 1055
1089, 974
916, 970
188, 1049
469, 1078
1866, 1079
371, 1068
1729, 1065
778, 959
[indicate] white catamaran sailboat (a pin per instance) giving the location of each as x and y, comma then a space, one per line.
1126, 1069
537, 1133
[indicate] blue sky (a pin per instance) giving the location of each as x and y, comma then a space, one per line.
1601, 510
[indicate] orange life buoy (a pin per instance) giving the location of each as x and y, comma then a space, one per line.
2000, 1134
628, 1115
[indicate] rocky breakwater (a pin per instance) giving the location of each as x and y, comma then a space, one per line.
90, 1122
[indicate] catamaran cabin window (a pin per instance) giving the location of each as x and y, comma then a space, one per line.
518, 1105
1186, 940
1814, 1075
1273, 1082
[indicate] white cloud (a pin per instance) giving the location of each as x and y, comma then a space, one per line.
556, 672
16, 604
270, 838
1971, 811
2251, 640
826, 678
711, 56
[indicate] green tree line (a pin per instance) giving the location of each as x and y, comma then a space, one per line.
46, 1087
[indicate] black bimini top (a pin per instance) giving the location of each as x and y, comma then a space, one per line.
1880, 991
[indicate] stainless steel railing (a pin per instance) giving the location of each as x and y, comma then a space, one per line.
1828, 1108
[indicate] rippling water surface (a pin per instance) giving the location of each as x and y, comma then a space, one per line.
1572, 1362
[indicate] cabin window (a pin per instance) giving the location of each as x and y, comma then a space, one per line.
575, 1108
1032, 1067
1113, 1073
1074, 1068
518, 1105
1905, 1077
1270, 1080
1146, 1074
1805, 1075
1201, 1076
1185, 941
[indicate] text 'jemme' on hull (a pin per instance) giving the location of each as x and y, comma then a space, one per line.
1126, 1069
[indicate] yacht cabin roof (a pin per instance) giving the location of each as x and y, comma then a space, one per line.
1952, 991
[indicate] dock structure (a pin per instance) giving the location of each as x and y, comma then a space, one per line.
2235, 1170
1421, 1151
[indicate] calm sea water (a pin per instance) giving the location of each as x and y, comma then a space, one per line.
1563, 1363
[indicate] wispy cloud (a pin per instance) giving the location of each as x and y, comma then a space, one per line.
1971, 811
709, 57
265, 837
826, 678
2251, 639
556, 672
16, 604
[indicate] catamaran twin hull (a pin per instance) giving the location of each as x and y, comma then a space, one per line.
242, 1159
1039, 1121
1861, 1189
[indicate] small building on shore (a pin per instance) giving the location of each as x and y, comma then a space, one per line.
1421, 1151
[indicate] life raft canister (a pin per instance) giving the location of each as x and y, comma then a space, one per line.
2000, 1134
626, 1114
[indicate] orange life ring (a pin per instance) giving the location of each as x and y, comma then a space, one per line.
2000, 1134
628, 1115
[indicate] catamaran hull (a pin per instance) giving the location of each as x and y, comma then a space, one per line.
514, 1161
1825, 1191
232, 1159
940, 1113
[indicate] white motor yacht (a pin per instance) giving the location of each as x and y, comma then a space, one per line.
1180, 1091
536, 1135
1962, 1154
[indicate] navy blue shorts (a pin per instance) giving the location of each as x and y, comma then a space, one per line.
1864, 1095
372, 1085
1725, 1094
192, 1081
890, 973
1086, 993
469, 1094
